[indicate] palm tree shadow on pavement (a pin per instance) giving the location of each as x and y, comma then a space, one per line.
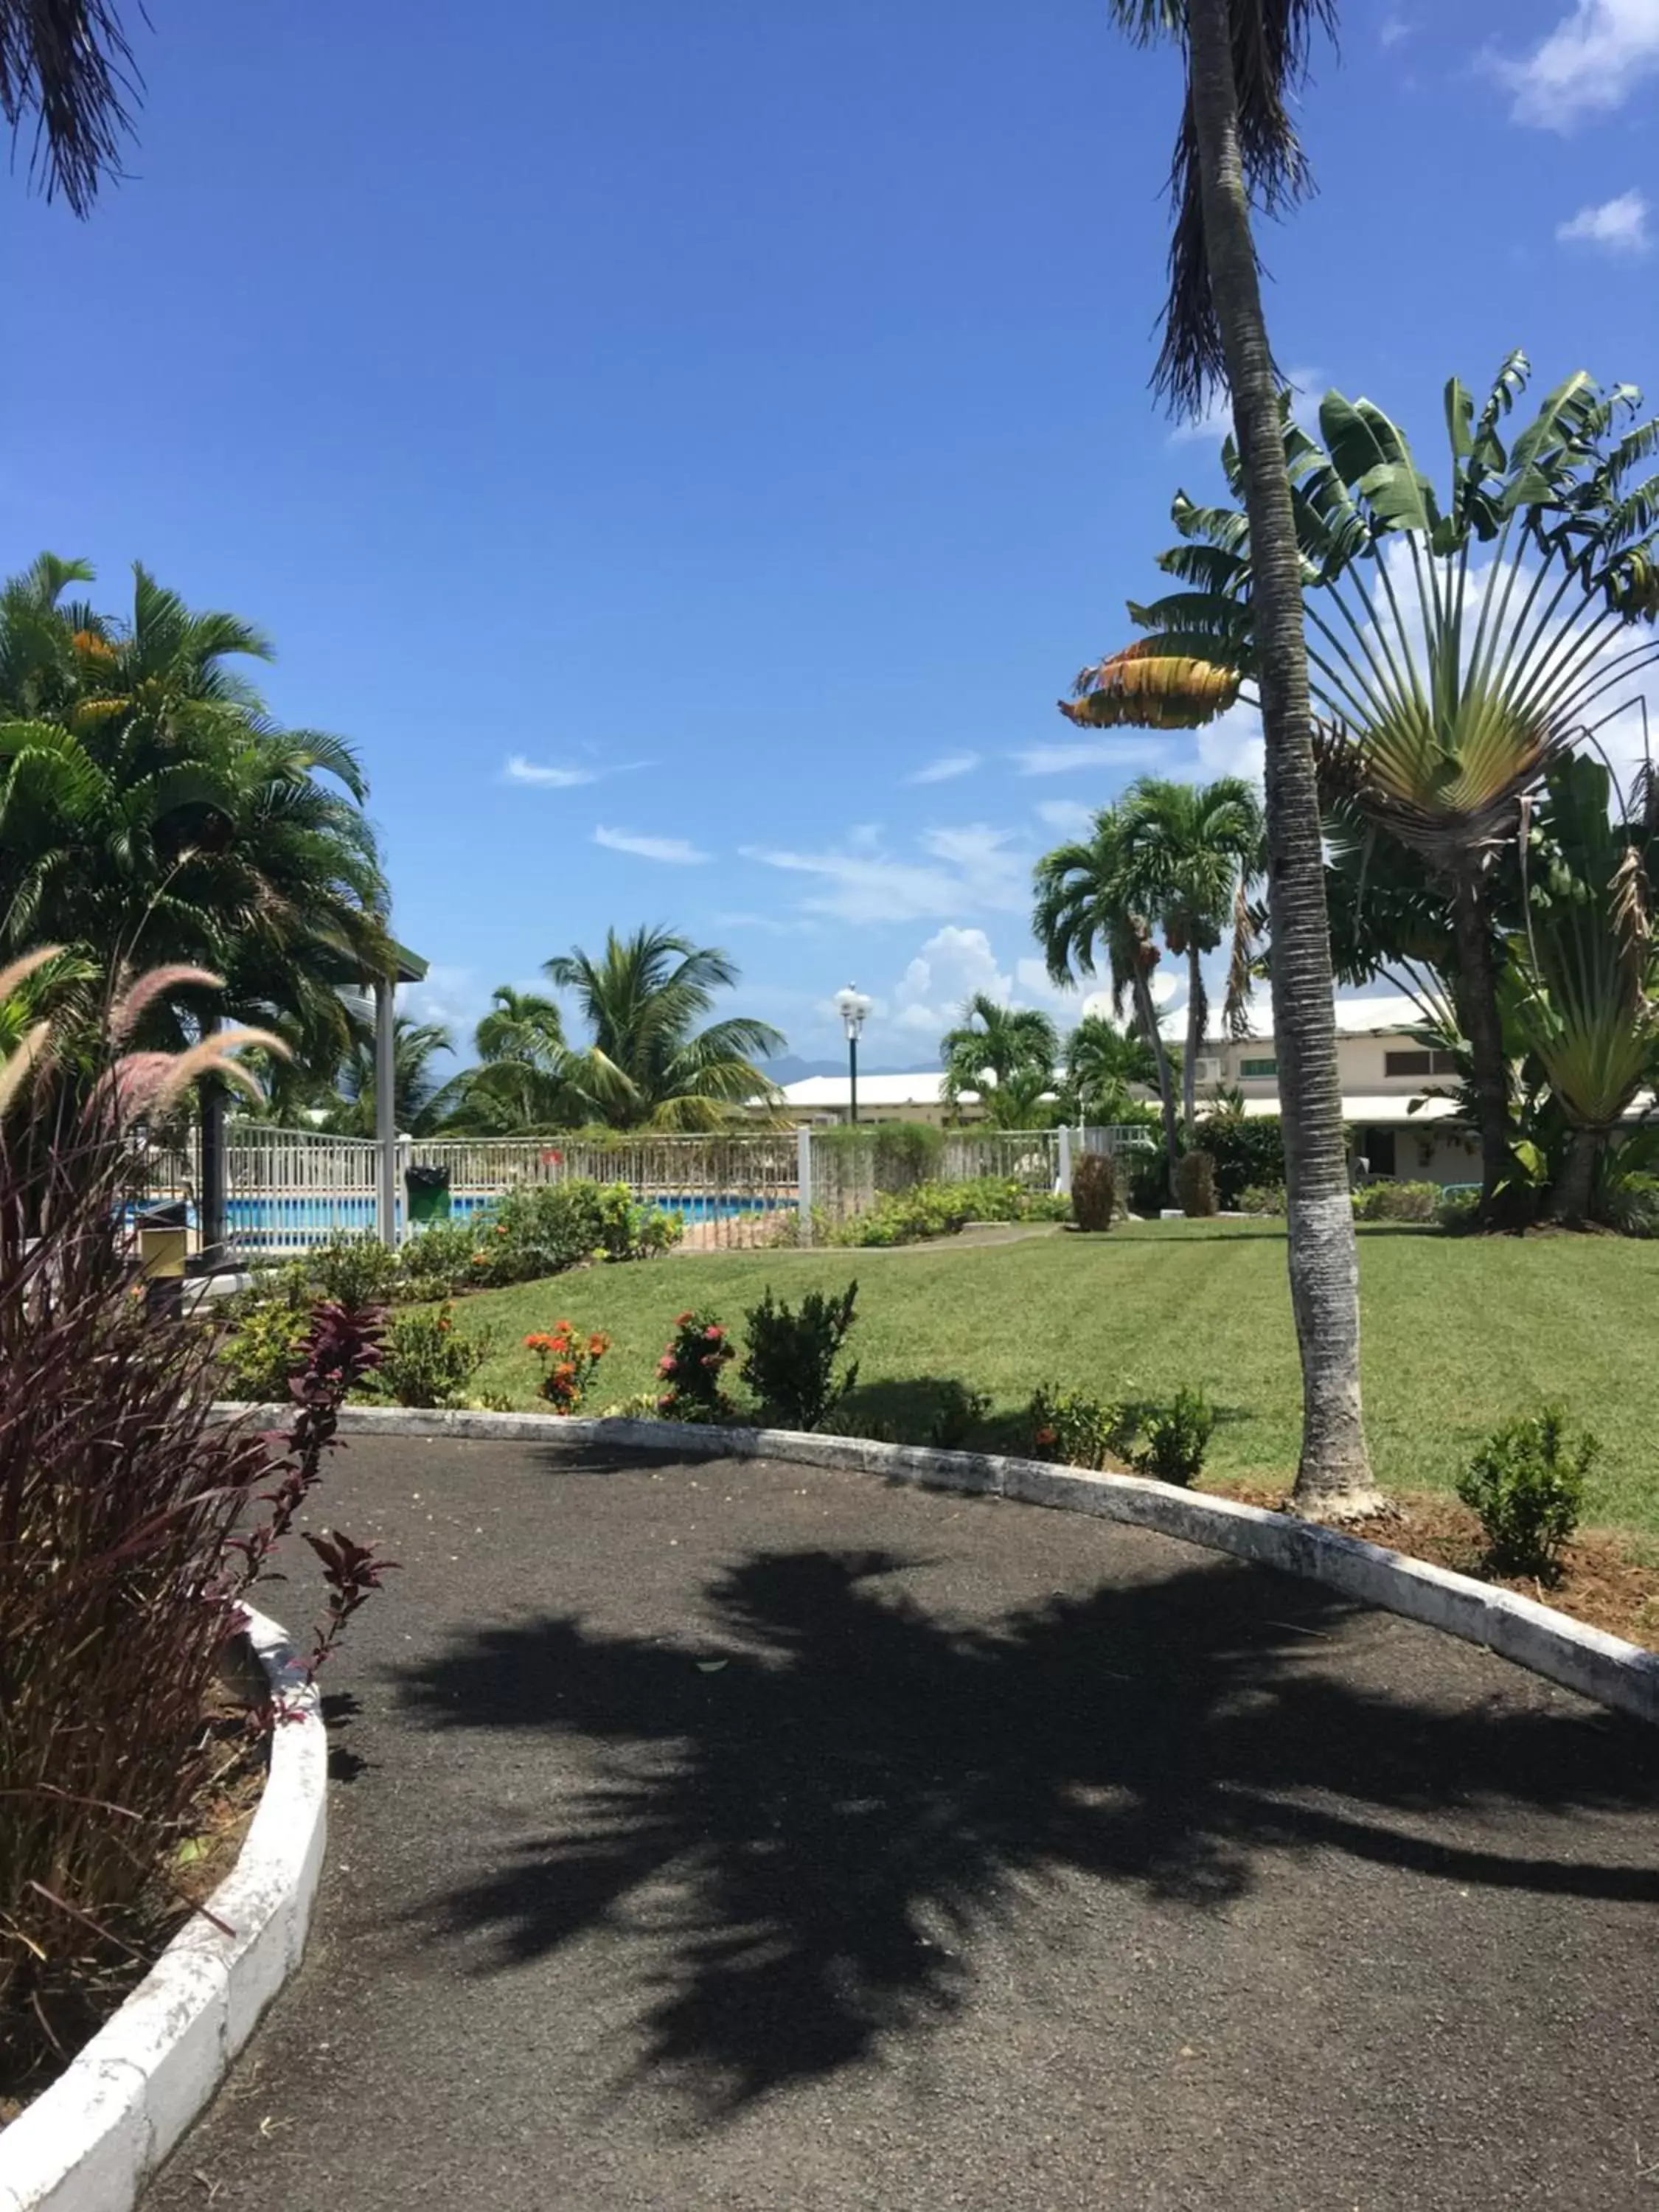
808, 1838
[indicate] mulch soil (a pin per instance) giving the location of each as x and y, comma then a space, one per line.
1608, 1580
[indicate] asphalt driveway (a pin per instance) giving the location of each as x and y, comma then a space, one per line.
753, 1836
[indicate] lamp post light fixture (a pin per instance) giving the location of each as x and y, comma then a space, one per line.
852, 1005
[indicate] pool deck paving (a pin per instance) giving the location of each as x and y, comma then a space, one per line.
754, 1836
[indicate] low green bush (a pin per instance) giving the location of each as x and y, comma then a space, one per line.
1397, 1201
1458, 1210
1148, 1183
939, 1209
1172, 1436
1526, 1486
543, 1229
425, 1360
1073, 1427
266, 1341
1196, 1186
438, 1261
354, 1272
1094, 1191
1261, 1198
1248, 1151
958, 1413
791, 1363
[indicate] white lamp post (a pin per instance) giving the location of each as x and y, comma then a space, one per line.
853, 1006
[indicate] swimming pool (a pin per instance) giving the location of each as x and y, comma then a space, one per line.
268, 1222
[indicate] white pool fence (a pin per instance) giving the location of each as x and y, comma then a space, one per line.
286, 1190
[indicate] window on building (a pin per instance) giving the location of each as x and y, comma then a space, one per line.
1248, 1068
1419, 1063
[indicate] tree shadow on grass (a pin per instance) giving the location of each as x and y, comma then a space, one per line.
805, 1838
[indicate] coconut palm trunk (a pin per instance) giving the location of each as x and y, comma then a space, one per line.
1333, 1478
1146, 1014
1195, 1010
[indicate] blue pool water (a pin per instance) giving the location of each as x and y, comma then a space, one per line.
270, 1223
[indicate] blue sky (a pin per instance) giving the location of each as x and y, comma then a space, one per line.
689, 448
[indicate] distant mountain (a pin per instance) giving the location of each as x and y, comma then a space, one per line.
789, 1067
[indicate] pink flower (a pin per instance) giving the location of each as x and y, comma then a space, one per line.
665, 1365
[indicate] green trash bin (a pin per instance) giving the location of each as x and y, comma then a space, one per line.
428, 1194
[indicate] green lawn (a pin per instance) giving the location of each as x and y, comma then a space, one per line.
1460, 1333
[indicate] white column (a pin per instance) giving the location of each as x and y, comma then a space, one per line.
386, 1111
1065, 1159
803, 1179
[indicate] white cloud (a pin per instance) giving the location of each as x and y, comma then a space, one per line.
1620, 225
520, 770
452, 996
1216, 422
1066, 755
550, 776
968, 868
1233, 744
1066, 818
1392, 29
1588, 64
945, 768
676, 851
949, 968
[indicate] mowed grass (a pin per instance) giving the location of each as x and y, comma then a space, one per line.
1459, 1334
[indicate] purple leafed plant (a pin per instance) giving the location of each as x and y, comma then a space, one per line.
132, 1525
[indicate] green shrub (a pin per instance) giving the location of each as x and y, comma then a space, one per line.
425, 1360
1148, 1183
266, 1344
438, 1261
1630, 1203
692, 1368
1173, 1436
1261, 1198
959, 1411
901, 1154
1397, 1201
791, 1362
939, 1209
1526, 1485
354, 1272
1458, 1210
1249, 1152
630, 1230
1195, 1185
1074, 1428
1094, 1191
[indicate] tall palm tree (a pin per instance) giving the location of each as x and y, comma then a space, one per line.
1244, 60
415, 1091
67, 64
649, 1064
522, 1079
1191, 851
1103, 1065
1004, 1055
151, 812
1444, 696
1087, 906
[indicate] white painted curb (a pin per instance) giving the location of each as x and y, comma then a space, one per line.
91, 2142
1603, 1667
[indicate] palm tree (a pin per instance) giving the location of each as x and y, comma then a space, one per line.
649, 1064
415, 1091
1244, 58
151, 812
67, 63
1004, 1055
1086, 905
1103, 1064
522, 1081
1191, 851
1446, 698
